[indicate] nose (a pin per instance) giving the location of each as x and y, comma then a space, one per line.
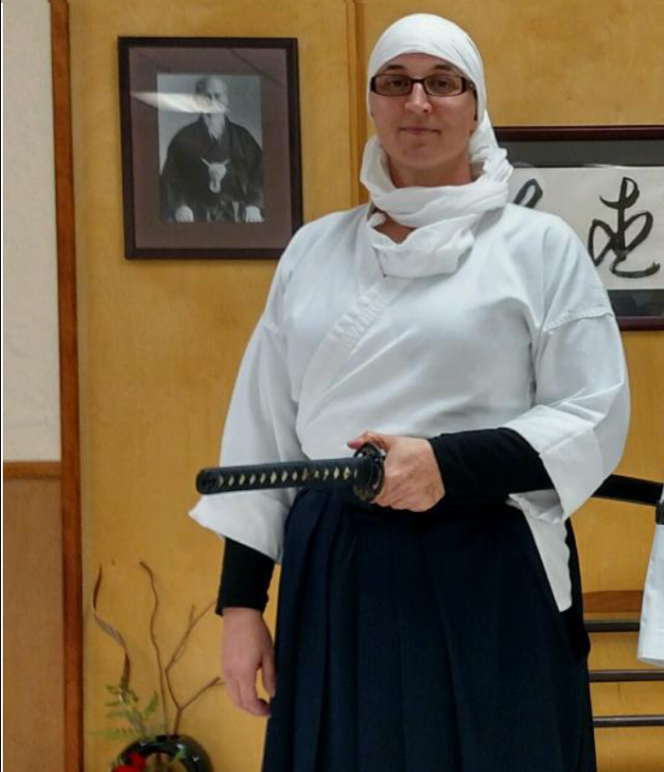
418, 100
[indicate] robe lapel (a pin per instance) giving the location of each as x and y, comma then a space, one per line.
328, 362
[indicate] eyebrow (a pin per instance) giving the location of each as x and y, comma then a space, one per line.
444, 67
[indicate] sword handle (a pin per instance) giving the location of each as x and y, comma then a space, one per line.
364, 472
372, 485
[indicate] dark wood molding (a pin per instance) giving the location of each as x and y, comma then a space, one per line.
31, 470
69, 398
613, 601
354, 113
357, 78
594, 133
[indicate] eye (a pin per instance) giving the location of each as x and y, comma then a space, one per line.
442, 84
394, 84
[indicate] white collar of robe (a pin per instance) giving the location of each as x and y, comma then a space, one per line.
425, 252
445, 218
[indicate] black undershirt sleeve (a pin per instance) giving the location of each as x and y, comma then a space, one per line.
245, 578
475, 465
488, 464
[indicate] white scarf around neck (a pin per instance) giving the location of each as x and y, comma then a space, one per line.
445, 218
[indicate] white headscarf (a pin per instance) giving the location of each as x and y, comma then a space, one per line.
445, 217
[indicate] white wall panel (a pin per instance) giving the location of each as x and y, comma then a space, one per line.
31, 413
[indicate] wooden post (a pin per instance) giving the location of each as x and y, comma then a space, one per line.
69, 399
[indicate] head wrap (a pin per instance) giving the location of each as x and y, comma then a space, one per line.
445, 217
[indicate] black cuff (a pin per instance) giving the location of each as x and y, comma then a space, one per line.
245, 578
488, 464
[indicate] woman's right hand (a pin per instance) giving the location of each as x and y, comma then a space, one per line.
246, 648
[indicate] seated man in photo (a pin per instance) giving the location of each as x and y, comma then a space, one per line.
214, 168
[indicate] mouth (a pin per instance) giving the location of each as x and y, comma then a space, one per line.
419, 130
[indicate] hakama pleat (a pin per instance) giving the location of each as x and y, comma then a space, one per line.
428, 642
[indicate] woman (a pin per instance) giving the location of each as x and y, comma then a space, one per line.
439, 628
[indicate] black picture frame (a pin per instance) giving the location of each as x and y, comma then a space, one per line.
193, 189
576, 164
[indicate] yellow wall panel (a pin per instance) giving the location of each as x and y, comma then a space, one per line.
556, 61
160, 342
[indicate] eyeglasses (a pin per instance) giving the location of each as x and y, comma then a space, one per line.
440, 84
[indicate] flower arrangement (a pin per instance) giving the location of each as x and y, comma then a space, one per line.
137, 763
139, 723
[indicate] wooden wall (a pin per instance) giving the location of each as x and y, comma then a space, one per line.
32, 654
160, 341
41, 658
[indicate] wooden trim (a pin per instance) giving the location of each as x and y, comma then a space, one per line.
357, 77
31, 470
69, 399
613, 722
603, 626
353, 112
626, 676
613, 601
579, 133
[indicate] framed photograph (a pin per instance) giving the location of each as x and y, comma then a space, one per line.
210, 146
608, 184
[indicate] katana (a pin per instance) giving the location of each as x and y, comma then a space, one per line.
362, 472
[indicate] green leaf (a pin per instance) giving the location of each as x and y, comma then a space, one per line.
120, 713
120, 733
129, 695
152, 706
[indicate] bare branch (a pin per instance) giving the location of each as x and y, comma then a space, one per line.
193, 621
179, 650
181, 708
155, 643
127, 696
112, 633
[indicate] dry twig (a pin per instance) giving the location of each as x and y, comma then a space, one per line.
179, 650
165, 679
155, 644
112, 632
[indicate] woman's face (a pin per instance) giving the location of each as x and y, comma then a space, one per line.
425, 137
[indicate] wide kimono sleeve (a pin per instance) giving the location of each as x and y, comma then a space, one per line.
260, 427
580, 414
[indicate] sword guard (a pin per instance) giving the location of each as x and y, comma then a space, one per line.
370, 487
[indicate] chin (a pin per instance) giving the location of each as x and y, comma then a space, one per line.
424, 162
427, 172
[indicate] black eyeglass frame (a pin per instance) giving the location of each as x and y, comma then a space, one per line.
466, 84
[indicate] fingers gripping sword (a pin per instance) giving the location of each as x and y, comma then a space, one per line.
362, 472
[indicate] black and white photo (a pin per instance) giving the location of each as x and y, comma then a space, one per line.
210, 146
211, 160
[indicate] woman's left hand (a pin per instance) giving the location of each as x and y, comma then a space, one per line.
412, 478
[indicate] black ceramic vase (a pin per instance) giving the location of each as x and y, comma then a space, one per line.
193, 757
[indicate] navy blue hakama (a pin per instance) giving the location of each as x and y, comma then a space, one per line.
410, 642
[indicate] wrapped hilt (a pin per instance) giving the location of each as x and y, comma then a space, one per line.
362, 472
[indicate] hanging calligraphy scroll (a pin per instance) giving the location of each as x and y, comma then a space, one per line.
608, 184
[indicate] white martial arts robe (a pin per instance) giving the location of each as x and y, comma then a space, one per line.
519, 334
